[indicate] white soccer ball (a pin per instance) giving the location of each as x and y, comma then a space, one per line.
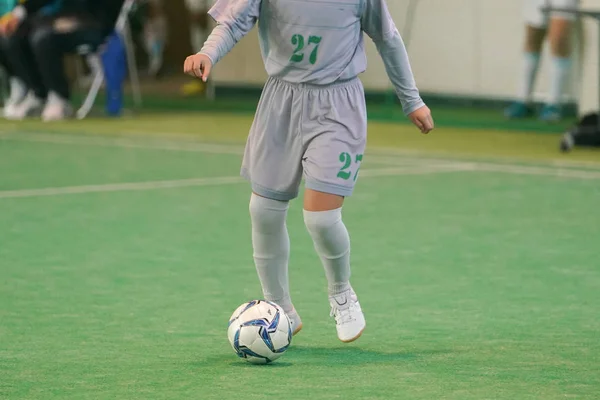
259, 331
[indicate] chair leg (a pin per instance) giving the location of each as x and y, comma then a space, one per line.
96, 66
132, 65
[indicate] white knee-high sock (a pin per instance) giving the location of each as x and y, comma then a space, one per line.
559, 74
531, 63
271, 244
332, 242
198, 36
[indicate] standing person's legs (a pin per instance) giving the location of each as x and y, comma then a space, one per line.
321, 131
331, 165
535, 33
272, 163
561, 46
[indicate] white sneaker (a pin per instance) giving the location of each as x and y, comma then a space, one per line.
56, 109
30, 106
295, 321
9, 109
349, 318
18, 92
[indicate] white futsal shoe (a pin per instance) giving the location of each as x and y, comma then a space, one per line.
349, 318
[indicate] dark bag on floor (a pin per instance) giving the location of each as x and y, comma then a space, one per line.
585, 134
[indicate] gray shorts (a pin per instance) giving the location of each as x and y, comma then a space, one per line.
320, 131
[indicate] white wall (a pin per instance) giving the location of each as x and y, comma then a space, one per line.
588, 94
458, 47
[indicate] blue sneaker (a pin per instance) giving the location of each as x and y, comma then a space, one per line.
517, 110
551, 113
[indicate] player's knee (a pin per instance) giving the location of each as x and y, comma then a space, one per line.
267, 214
318, 223
328, 232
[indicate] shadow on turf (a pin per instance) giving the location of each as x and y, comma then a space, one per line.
354, 355
332, 356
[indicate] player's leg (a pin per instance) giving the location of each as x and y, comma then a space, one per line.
199, 31
271, 252
331, 164
561, 45
272, 163
535, 32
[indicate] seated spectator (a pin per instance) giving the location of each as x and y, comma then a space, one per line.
155, 36
200, 27
26, 100
148, 24
38, 43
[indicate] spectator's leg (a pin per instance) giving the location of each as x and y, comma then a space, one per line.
49, 54
536, 22
199, 30
17, 87
560, 37
20, 56
534, 40
155, 37
49, 45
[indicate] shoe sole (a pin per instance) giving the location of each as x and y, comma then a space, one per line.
297, 330
355, 337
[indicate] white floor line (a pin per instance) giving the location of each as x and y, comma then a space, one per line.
559, 172
379, 156
166, 145
449, 156
121, 187
539, 171
182, 183
412, 170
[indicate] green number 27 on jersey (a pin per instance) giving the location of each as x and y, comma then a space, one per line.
299, 42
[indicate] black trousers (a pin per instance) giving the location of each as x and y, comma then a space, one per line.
5, 63
40, 43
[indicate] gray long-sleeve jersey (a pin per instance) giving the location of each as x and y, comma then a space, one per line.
316, 41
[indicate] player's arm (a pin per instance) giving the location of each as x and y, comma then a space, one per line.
378, 24
235, 18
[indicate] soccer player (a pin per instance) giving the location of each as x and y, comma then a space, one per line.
199, 30
557, 27
311, 119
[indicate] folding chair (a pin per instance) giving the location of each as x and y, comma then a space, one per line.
94, 60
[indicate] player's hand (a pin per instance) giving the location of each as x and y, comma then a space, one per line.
9, 24
422, 119
198, 65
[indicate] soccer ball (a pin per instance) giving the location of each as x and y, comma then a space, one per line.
259, 331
